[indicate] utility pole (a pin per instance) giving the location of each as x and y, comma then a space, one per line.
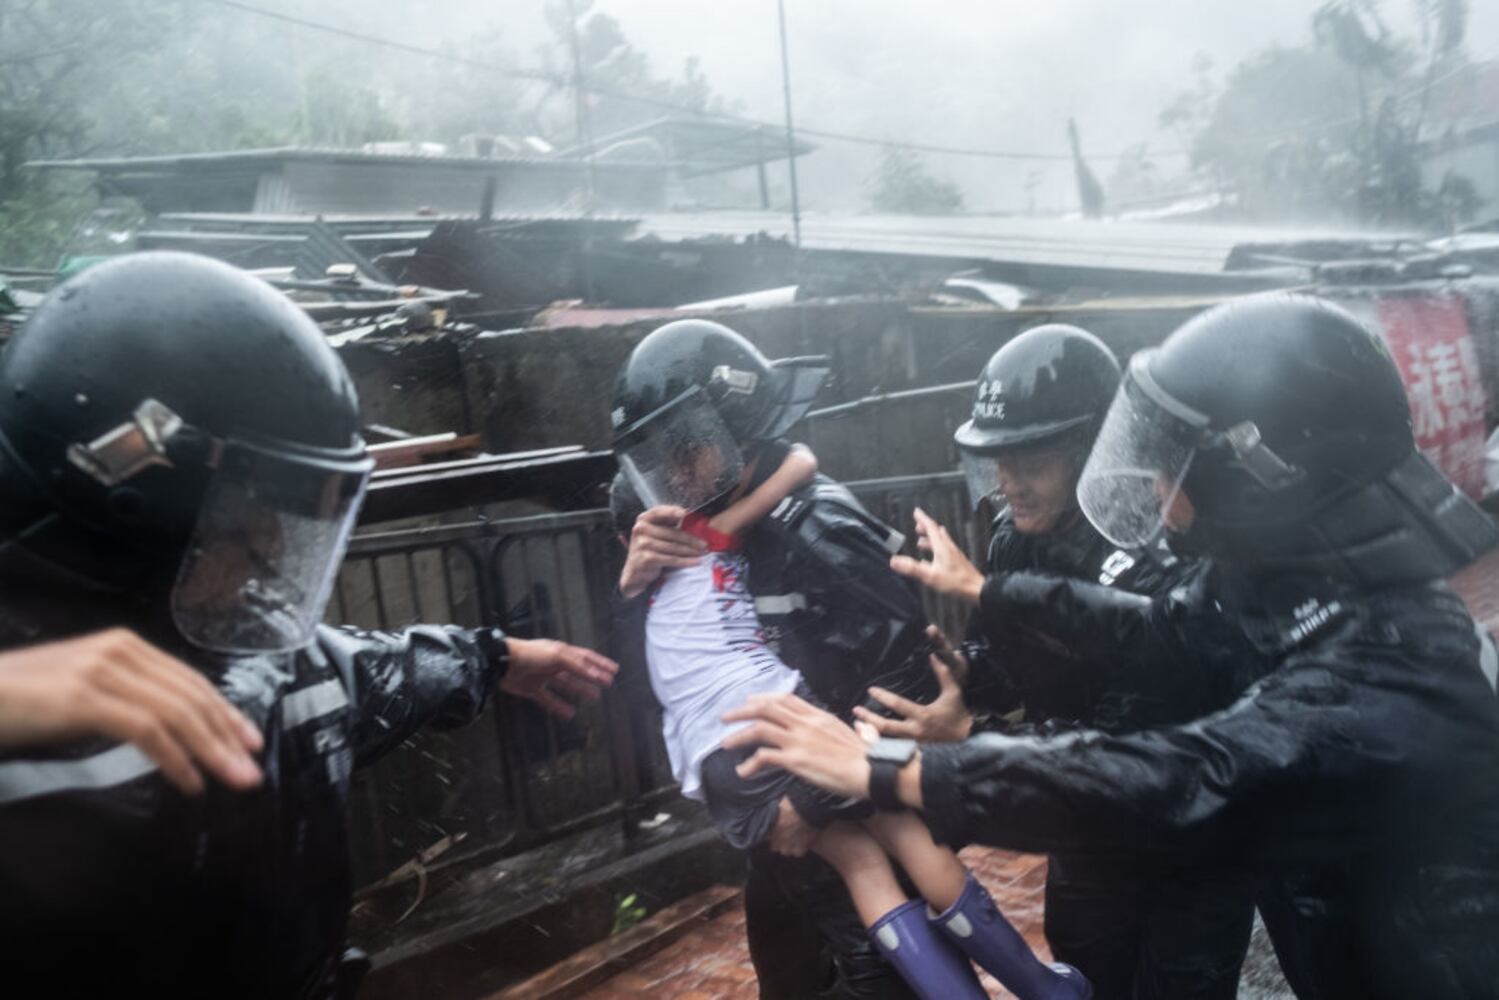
796, 205
585, 139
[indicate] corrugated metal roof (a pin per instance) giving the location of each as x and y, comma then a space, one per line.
282, 154
1163, 247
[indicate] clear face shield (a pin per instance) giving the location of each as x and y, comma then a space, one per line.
982, 475
270, 536
801, 379
1035, 482
1142, 454
1038, 476
682, 454
270, 533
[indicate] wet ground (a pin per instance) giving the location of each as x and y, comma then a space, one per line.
711, 961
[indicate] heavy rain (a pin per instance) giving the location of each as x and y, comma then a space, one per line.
769, 498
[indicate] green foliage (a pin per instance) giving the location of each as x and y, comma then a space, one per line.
903, 185
338, 113
612, 67
54, 56
628, 912
1356, 32
1328, 129
61, 216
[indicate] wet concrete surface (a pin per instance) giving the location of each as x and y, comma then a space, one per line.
713, 961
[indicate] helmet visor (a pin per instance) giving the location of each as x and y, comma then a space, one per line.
1035, 481
982, 474
682, 454
797, 383
266, 548
1135, 470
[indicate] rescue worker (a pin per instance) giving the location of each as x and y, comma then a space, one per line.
180, 456
1357, 775
1037, 408
824, 592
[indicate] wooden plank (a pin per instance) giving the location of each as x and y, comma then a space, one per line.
596, 963
477, 462
411, 451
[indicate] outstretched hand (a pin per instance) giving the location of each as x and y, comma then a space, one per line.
807, 741
945, 720
556, 675
948, 571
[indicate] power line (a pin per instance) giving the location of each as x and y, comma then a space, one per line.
389, 43
555, 80
558, 81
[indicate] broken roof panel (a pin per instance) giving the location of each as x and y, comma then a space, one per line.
1102, 245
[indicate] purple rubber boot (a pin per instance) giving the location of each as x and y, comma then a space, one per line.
923, 956
981, 932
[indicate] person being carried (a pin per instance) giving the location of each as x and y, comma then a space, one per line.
706, 652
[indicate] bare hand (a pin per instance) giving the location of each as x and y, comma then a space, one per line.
544, 670
657, 544
948, 571
792, 835
945, 720
810, 743
117, 686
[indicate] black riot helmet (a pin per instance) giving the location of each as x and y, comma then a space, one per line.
1046, 389
691, 397
173, 426
1285, 423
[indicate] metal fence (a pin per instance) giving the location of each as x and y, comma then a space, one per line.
519, 777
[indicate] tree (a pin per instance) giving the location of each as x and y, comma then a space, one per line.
446, 99
1325, 129
1444, 24
54, 54
56, 57
1274, 133
903, 185
622, 88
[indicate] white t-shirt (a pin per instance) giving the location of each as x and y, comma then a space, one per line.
707, 654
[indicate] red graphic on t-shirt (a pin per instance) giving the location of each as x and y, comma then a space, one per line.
724, 577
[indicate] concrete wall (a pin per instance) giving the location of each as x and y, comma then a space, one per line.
545, 387
413, 385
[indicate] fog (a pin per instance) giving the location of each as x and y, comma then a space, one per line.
1300, 140
961, 73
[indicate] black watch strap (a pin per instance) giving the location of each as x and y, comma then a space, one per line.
882, 776
496, 649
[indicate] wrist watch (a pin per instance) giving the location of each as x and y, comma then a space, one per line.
496, 649
886, 758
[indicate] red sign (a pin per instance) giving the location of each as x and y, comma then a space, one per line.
1429, 338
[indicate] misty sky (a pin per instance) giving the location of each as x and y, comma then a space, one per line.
986, 73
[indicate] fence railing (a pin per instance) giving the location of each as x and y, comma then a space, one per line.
520, 778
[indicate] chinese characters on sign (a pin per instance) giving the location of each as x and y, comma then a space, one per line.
1429, 338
